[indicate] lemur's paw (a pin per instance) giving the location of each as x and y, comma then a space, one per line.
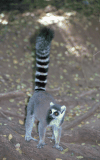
28, 138
58, 147
41, 145
51, 137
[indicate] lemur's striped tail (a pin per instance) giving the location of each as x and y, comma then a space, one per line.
43, 42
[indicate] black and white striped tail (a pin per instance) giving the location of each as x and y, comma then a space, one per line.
43, 42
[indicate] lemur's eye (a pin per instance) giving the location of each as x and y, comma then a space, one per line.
50, 111
56, 113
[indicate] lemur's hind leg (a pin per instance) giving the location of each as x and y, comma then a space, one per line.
29, 126
42, 131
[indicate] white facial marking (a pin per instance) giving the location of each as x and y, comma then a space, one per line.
53, 110
51, 104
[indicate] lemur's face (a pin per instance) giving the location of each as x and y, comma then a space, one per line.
56, 114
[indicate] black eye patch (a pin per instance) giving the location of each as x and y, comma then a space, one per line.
56, 113
50, 111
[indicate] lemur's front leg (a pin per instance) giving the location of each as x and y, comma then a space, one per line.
57, 134
53, 136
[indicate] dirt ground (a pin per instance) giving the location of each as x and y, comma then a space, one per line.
74, 81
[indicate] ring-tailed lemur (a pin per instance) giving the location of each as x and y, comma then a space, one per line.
42, 105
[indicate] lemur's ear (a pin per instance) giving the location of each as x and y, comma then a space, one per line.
63, 109
51, 104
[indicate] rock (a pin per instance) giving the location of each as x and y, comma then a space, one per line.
39, 12
60, 12
49, 8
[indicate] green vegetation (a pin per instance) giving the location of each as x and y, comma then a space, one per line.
87, 7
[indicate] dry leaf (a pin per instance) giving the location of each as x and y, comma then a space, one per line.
10, 137
65, 150
21, 122
22, 135
15, 61
5, 135
17, 145
11, 100
79, 157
